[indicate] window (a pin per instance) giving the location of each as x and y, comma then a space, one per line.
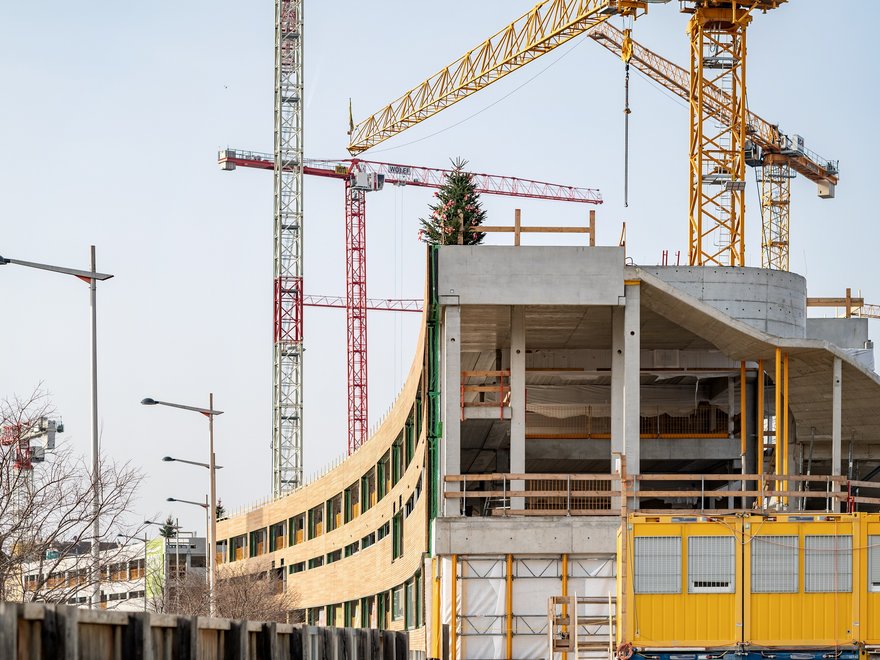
296, 532
351, 549
397, 460
258, 542
397, 603
711, 564
410, 441
331, 615
410, 605
368, 490
382, 532
236, 548
276, 536
197, 561
397, 535
316, 521
827, 564
774, 564
316, 562
336, 555
368, 540
298, 567
366, 611
657, 565
874, 563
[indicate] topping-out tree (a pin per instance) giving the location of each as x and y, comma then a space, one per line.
457, 214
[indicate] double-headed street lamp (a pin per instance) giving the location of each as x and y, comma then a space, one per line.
210, 413
90, 277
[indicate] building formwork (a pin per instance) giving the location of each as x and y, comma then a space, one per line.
562, 410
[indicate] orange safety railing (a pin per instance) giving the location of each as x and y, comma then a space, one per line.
482, 387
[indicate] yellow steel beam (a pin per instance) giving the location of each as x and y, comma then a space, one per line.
548, 24
453, 617
508, 606
759, 422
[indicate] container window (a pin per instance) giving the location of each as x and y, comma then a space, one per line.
827, 564
711, 565
874, 563
774, 564
657, 565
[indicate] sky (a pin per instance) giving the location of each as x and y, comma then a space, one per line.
111, 118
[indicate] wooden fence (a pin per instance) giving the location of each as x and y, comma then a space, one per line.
34, 631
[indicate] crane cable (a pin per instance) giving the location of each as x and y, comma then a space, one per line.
626, 52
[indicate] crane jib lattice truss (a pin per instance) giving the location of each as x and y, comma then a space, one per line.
356, 302
724, 135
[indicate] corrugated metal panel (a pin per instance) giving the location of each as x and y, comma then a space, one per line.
657, 567
774, 564
711, 564
827, 564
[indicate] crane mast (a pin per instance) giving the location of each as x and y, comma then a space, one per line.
287, 367
716, 204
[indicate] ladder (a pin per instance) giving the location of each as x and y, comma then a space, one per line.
582, 626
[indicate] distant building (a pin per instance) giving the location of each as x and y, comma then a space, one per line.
134, 576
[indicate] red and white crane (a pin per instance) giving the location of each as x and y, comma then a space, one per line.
360, 177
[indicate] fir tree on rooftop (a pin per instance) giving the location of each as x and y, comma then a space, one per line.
457, 214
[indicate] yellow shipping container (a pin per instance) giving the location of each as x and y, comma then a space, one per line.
782, 581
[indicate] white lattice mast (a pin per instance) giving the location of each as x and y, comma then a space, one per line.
287, 378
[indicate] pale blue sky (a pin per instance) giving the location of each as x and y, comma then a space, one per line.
111, 118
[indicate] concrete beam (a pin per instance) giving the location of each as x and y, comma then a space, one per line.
532, 275
654, 449
836, 417
527, 535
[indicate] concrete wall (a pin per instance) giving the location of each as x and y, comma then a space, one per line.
771, 300
502, 275
845, 333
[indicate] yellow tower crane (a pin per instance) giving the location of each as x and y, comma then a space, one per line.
716, 88
777, 154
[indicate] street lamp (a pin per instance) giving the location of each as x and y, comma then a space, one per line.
91, 277
210, 413
169, 459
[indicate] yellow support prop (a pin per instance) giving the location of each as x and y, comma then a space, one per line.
777, 411
453, 617
508, 606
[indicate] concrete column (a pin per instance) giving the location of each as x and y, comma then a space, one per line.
616, 381
836, 419
517, 400
451, 446
632, 340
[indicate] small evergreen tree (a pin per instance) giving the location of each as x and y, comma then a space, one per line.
457, 214
221, 510
168, 528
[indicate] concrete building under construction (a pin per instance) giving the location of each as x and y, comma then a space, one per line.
593, 457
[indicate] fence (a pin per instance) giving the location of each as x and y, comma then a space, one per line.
31, 631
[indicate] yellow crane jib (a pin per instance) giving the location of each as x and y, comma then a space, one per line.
548, 24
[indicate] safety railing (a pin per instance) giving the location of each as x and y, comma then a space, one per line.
485, 389
509, 494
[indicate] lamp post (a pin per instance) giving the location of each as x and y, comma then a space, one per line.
90, 277
210, 413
